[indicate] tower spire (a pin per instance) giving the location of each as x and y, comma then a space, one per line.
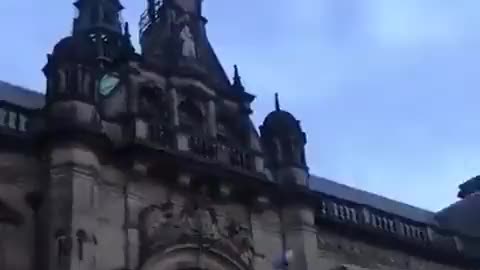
277, 102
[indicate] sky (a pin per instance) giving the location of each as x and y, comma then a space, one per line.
387, 91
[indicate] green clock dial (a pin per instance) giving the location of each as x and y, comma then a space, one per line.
108, 83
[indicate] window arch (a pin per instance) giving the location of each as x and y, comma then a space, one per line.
231, 129
152, 103
186, 257
191, 116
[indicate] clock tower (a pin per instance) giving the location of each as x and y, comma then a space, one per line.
84, 69
84, 66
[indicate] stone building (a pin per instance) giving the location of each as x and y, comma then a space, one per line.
150, 161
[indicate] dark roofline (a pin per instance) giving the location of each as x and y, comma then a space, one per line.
21, 96
357, 196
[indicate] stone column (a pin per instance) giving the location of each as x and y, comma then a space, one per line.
173, 97
212, 119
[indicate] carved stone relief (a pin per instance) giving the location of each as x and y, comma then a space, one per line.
197, 223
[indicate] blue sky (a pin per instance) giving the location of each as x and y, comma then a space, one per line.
387, 91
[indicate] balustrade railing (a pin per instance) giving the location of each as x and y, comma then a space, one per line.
425, 235
203, 147
160, 135
221, 152
13, 120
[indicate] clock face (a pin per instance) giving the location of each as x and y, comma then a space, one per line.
108, 83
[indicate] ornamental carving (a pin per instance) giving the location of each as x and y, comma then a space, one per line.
194, 223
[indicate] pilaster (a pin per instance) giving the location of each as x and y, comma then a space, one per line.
300, 236
69, 211
266, 233
212, 119
173, 97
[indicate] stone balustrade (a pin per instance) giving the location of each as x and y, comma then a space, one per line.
220, 152
386, 225
13, 120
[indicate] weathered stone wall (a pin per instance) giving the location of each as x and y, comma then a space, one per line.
121, 197
18, 176
335, 250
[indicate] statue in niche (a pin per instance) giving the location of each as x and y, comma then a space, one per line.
188, 44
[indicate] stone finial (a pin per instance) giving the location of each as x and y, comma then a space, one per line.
126, 30
237, 79
128, 38
277, 102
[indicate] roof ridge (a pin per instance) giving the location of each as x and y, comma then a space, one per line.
374, 194
19, 87
351, 194
21, 96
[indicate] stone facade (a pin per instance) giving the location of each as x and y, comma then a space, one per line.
150, 161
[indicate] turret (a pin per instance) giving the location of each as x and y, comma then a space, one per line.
462, 215
284, 142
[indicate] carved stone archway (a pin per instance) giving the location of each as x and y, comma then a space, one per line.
188, 256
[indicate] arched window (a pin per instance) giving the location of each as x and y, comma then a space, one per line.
151, 103
191, 116
230, 130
